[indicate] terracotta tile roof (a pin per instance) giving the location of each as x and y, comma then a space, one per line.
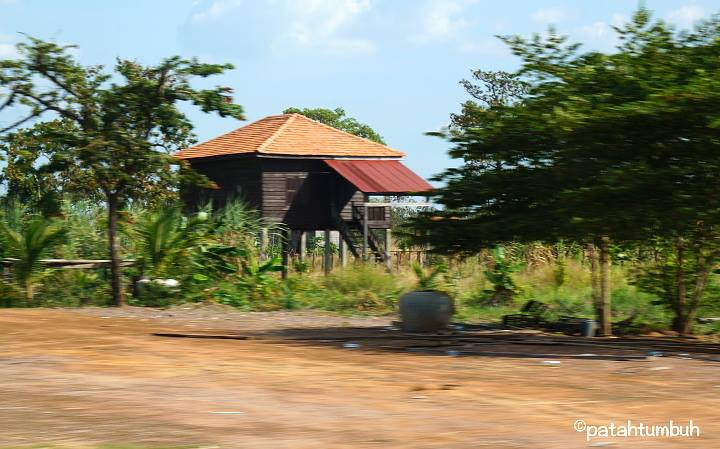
289, 135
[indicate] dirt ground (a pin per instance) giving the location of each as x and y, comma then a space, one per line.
79, 378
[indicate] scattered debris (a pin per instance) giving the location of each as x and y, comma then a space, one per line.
551, 362
214, 336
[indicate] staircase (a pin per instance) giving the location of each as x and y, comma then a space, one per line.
352, 232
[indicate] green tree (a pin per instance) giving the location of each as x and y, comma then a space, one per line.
29, 180
490, 90
603, 147
118, 128
337, 119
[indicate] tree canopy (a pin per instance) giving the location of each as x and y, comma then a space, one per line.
623, 145
337, 119
116, 130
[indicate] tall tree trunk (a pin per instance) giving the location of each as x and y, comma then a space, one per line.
683, 322
29, 292
680, 296
604, 303
594, 279
115, 269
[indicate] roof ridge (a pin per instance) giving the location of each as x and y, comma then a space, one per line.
350, 134
277, 132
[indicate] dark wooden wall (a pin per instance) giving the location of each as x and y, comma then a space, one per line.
301, 193
237, 178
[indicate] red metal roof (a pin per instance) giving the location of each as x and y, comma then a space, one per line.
379, 176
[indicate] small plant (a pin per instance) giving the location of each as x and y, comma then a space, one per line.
257, 278
500, 276
429, 280
301, 266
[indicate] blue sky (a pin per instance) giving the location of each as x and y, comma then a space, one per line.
394, 64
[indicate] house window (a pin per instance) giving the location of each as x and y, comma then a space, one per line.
376, 213
292, 185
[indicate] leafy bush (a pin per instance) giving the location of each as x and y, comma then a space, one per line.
363, 287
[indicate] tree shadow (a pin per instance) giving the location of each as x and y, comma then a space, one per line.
477, 341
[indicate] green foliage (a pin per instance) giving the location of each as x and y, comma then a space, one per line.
86, 226
35, 240
537, 282
429, 280
166, 237
621, 146
337, 119
500, 278
257, 281
598, 145
115, 131
362, 288
679, 276
496, 90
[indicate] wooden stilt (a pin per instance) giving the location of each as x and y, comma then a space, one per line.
285, 253
388, 248
342, 252
365, 233
303, 246
263, 244
327, 260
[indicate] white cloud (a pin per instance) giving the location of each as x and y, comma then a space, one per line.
686, 16
597, 30
318, 23
442, 19
7, 47
601, 33
550, 15
487, 47
215, 11
7, 51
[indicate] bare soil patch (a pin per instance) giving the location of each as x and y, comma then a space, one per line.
80, 378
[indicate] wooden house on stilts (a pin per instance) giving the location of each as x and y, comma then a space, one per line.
309, 176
